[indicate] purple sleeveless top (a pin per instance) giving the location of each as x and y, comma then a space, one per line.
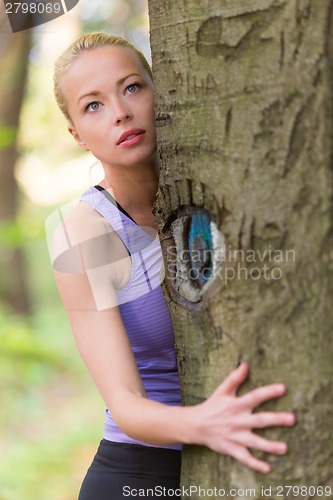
143, 310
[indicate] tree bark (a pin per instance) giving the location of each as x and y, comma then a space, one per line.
245, 131
14, 52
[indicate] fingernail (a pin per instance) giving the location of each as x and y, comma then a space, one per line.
292, 419
266, 469
283, 448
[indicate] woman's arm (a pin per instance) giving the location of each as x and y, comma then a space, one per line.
224, 422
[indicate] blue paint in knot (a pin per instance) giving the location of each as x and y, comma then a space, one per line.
201, 248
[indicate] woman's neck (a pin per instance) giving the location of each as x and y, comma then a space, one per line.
134, 188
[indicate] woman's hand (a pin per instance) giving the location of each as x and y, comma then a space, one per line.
227, 421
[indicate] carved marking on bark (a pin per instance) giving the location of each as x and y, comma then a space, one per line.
282, 49
178, 78
303, 11
188, 46
298, 136
302, 199
162, 119
252, 233
209, 35
208, 38
240, 234
274, 118
194, 85
228, 121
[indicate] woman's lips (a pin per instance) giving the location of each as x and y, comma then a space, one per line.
131, 137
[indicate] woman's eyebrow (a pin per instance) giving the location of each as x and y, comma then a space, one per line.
119, 82
96, 93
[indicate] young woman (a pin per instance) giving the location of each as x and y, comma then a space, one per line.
107, 262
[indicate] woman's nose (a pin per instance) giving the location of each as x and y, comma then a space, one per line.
121, 112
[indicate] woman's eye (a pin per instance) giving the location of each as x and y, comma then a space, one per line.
92, 106
132, 88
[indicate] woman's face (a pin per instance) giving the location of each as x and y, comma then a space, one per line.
111, 103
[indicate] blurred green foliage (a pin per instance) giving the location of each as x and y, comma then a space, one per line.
7, 136
14, 233
51, 416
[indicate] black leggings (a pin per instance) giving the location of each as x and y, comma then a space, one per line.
120, 470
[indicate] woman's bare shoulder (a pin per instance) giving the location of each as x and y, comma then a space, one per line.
83, 222
76, 226
84, 240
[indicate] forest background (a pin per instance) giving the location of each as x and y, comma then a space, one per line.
51, 416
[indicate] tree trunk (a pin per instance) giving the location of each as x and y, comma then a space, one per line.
245, 130
14, 52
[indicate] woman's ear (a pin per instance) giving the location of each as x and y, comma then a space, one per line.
71, 129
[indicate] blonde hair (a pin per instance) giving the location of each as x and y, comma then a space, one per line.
86, 42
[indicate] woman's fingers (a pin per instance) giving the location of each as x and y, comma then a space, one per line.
231, 384
264, 419
252, 399
251, 440
260, 395
240, 419
245, 457
238, 449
